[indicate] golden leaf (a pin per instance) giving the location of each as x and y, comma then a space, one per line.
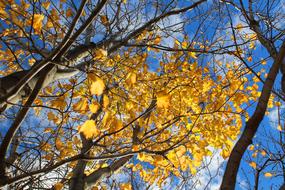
81, 106
125, 186
192, 54
48, 130
59, 103
49, 24
58, 144
278, 104
251, 147
46, 5
106, 101
31, 61
263, 62
253, 164
157, 40
184, 45
163, 99
279, 128
89, 129
97, 87
131, 78
69, 12
104, 19
268, 174
225, 153
249, 59
100, 54
37, 22
107, 119
135, 148
239, 26
115, 125
94, 107
58, 186
263, 153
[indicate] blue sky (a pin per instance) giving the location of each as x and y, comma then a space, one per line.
266, 125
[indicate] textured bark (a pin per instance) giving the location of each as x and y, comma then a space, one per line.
229, 178
7, 83
57, 53
93, 178
9, 136
77, 181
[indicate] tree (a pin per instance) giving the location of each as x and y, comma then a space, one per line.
262, 19
95, 88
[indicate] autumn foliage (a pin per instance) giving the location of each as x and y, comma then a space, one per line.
80, 107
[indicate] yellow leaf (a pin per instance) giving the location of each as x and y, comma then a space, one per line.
263, 153
48, 156
37, 22
251, 45
58, 144
157, 40
76, 141
129, 106
278, 104
279, 128
106, 101
51, 116
125, 186
192, 54
49, 24
104, 20
267, 174
263, 62
105, 165
58, 186
97, 87
69, 12
94, 107
46, 5
48, 130
131, 78
254, 154
59, 103
89, 129
81, 106
163, 99
107, 119
239, 26
225, 153
31, 61
46, 147
184, 45
135, 148
100, 54
249, 59
253, 164
251, 147
116, 125
145, 157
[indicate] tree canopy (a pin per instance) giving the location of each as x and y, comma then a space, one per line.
125, 94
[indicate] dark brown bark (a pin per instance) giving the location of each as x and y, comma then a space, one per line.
229, 178
9, 136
